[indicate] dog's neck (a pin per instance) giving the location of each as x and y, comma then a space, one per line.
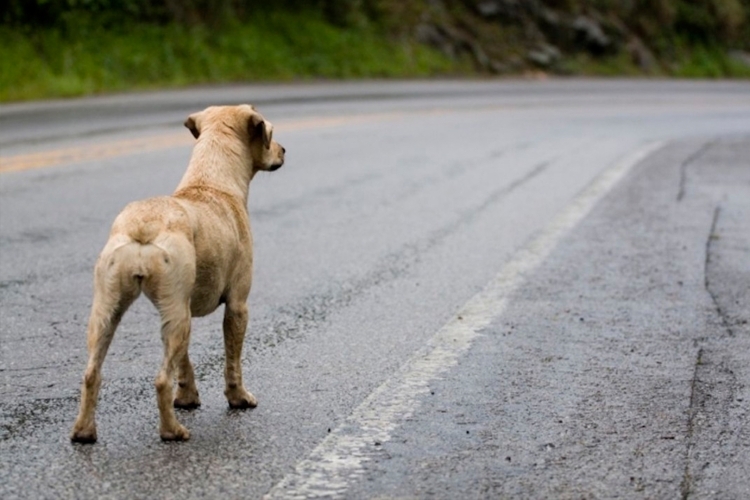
221, 164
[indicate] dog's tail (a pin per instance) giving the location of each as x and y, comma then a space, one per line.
146, 233
148, 261
128, 259
139, 261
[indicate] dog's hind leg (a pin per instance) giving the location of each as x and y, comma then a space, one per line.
187, 393
235, 324
113, 294
169, 288
175, 334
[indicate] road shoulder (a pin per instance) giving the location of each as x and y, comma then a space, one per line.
611, 370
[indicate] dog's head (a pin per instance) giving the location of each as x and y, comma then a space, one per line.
248, 125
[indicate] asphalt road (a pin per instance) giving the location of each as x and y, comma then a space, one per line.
499, 289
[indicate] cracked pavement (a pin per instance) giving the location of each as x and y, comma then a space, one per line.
617, 369
621, 369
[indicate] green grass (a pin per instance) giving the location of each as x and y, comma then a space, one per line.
86, 59
616, 65
691, 62
703, 62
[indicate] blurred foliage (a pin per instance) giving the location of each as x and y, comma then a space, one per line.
699, 20
86, 57
704, 19
74, 47
48, 13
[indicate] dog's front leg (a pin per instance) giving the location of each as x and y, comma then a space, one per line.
235, 324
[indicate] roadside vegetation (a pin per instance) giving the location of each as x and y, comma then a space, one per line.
57, 48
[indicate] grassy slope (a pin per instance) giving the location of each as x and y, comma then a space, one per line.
696, 62
88, 59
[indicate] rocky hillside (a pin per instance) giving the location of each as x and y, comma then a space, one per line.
673, 37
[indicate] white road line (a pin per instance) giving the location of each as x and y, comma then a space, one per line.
340, 459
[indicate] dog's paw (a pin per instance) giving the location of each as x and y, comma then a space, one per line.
187, 404
83, 435
240, 399
177, 433
187, 401
186, 396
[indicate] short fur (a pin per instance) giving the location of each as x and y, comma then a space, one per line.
188, 253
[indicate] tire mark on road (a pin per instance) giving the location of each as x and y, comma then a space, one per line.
692, 412
311, 312
705, 392
408, 189
712, 236
304, 201
317, 308
685, 164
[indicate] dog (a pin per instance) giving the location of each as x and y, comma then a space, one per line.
188, 253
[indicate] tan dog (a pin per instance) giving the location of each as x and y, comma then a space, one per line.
189, 253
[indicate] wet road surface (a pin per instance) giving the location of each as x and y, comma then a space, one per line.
615, 365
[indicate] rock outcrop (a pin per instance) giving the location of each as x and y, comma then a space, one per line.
511, 35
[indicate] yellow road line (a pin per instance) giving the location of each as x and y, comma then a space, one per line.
125, 147
92, 152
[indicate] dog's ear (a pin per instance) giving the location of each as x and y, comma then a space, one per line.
261, 128
193, 124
